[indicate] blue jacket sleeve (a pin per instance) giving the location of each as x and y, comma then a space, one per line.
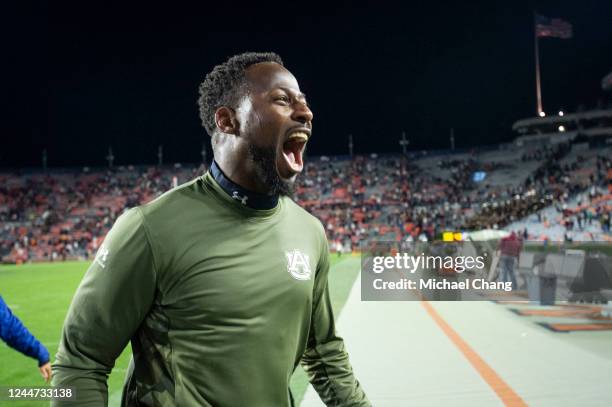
18, 337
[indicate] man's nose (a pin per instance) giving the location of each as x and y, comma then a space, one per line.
302, 113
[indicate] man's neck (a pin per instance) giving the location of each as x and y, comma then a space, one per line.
244, 196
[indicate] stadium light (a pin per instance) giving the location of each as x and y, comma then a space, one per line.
560, 112
542, 114
561, 128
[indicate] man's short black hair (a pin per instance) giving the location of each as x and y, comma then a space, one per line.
223, 85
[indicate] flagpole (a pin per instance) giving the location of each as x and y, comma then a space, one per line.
537, 64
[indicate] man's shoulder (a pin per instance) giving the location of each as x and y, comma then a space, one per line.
178, 210
181, 198
297, 212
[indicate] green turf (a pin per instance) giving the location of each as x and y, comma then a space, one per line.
341, 278
39, 294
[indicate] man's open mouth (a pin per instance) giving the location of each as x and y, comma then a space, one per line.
293, 149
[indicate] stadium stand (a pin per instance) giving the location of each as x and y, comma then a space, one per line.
65, 214
553, 192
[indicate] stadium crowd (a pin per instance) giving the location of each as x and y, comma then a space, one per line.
66, 214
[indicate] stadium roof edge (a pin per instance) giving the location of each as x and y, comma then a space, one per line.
559, 137
569, 117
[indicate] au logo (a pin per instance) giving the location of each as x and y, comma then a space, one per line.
298, 265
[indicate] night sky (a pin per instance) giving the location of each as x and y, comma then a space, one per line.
81, 78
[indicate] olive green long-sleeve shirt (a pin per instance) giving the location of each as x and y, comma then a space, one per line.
219, 301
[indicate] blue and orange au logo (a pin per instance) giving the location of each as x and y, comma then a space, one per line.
298, 265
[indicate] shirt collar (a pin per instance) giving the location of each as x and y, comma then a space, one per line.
248, 198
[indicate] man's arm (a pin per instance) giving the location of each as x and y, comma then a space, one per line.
17, 336
109, 305
325, 359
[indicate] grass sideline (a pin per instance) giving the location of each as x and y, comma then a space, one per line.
40, 294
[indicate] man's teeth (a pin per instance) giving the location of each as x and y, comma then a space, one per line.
299, 135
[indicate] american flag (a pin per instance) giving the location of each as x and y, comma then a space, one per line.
552, 27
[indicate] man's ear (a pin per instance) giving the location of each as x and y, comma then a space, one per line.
226, 121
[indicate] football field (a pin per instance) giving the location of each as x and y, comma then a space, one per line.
489, 353
40, 294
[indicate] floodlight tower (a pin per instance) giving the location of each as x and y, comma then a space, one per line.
44, 159
110, 157
404, 142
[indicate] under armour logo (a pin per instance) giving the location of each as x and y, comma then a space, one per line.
242, 199
101, 256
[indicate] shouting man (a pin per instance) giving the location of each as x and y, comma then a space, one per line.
219, 284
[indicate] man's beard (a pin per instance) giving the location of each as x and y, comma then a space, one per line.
265, 168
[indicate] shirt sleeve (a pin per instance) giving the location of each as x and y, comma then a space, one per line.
112, 300
17, 336
325, 360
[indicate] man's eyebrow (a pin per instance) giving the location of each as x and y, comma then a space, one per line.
299, 95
